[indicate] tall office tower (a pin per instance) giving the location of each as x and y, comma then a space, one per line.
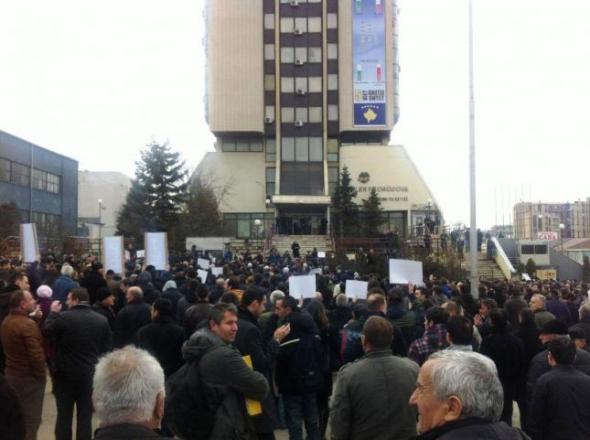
296, 90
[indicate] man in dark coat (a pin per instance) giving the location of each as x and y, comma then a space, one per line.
559, 409
105, 300
459, 396
249, 342
131, 318
513, 306
163, 337
584, 322
540, 365
94, 280
81, 337
226, 378
507, 352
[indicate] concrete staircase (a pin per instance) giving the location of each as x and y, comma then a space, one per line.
306, 242
486, 269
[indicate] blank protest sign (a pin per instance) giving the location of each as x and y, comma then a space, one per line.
356, 289
113, 254
302, 286
217, 271
405, 272
29, 246
202, 274
156, 250
203, 263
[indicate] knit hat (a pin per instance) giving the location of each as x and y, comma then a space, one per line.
554, 327
102, 293
44, 291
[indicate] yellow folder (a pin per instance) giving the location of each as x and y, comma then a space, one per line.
253, 407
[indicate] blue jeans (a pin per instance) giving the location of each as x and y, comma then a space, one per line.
304, 409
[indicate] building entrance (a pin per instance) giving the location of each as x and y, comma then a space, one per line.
302, 223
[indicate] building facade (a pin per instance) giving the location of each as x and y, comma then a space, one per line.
562, 220
297, 90
43, 185
101, 196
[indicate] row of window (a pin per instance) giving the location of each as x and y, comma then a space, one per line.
19, 174
245, 225
306, 24
302, 149
312, 84
298, 55
303, 114
294, 149
47, 225
242, 145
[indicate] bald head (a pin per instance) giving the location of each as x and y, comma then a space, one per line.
134, 293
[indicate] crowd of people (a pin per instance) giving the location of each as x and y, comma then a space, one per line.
161, 353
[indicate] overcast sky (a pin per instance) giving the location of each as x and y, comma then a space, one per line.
98, 80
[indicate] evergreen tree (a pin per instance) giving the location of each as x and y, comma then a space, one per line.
157, 195
202, 217
372, 218
531, 267
586, 269
344, 209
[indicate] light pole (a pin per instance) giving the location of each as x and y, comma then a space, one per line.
539, 220
561, 228
99, 228
257, 223
473, 221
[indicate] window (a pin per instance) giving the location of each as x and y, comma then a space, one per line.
314, 24
287, 84
241, 145
301, 24
332, 150
269, 112
301, 114
332, 112
315, 54
315, 84
39, 179
269, 21
301, 54
270, 180
4, 170
269, 83
21, 174
288, 149
332, 21
287, 55
332, 178
287, 114
332, 51
332, 81
302, 178
271, 148
301, 149
316, 153
269, 51
287, 24
53, 183
315, 114
301, 84
47, 224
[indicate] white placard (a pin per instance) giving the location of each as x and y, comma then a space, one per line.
217, 271
29, 245
316, 271
202, 274
302, 286
113, 254
202, 263
356, 289
405, 272
526, 277
351, 257
156, 250
127, 256
140, 254
321, 255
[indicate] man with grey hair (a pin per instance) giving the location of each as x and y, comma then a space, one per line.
131, 318
458, 396
128, 395
62, 286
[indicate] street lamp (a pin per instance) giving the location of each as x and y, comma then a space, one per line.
257, 223
561, 228
99, 228
539, 219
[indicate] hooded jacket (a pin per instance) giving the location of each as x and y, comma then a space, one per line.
227, 380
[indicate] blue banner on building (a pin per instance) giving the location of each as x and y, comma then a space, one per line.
369, 66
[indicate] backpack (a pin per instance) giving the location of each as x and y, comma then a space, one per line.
351, 347
309, 359
190, 414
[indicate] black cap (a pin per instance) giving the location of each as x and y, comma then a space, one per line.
554, 327
102, 294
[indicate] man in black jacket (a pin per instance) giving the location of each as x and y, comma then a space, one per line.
249, 342
299, 372
131, 318
163, 337
559, 409
105, 300
81, 337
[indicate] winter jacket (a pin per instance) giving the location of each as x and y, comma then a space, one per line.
370, 398
226, 381
129, 320
61, 287
126, 431
163, 338
473, 428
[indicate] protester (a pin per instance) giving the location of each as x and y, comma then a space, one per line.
459, 396
435, 336
105, 301
128, 395
12, 423
81, 337
25, 360
542, 316
559, 408
131, 318
64, 284
360, 407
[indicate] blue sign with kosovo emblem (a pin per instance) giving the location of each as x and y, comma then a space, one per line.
369, 63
